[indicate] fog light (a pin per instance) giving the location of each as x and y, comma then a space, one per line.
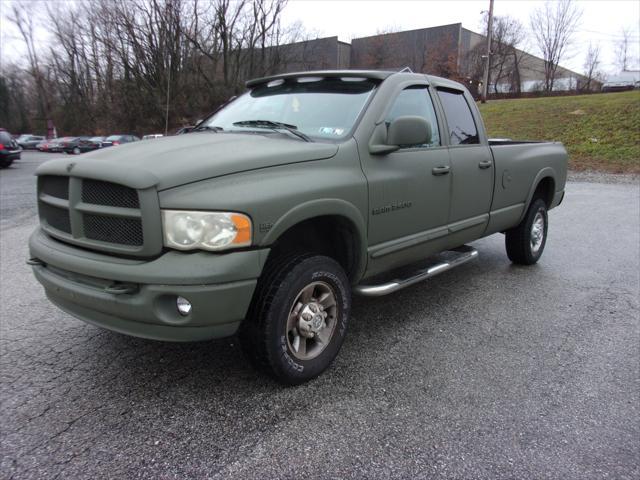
184, 306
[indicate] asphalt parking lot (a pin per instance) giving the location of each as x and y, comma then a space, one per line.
487, 371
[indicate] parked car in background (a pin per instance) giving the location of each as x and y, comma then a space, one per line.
9, 149
114, 140
46, 144
187, 129
58, 144
28, 141
152, 136
82, 144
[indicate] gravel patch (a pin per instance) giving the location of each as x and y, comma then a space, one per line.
592, 176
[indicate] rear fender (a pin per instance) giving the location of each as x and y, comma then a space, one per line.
542, 174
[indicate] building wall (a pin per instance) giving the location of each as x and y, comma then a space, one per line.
427, 50
448, 50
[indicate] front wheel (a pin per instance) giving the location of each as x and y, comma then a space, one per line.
298, 319
76, 151
525, 243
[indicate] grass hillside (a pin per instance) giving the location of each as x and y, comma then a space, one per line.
600, 131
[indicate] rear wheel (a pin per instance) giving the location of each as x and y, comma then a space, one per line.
298, 319
5, 163
525, 243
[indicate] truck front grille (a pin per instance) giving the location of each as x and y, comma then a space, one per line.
56, 186
55, 217
111, 194
125, 231
98, 214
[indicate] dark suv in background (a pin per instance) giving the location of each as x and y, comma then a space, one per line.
9, 149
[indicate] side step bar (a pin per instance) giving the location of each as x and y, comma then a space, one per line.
465, 253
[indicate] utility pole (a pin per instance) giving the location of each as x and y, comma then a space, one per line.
166, 117
487, 60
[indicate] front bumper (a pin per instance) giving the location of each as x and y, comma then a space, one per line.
219, 287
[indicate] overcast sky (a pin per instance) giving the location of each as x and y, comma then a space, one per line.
602, 21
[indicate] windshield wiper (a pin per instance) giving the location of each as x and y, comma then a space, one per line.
213, 128
274, 126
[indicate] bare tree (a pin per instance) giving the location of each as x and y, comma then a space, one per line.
26, 26
592, 67
506, 56
553, 27
140, 65
622, 49
508, 34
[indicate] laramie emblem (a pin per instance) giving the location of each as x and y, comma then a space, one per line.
391, 208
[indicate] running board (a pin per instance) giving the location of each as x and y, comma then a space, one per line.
464, 254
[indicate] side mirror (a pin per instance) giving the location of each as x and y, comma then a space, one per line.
409, 130
402, 132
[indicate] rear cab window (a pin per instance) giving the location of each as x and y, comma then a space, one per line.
462, 126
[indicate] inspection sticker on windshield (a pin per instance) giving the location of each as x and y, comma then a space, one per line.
331, 131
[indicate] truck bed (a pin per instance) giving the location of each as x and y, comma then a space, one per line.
496, 142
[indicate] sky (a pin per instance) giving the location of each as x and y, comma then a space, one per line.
601, 23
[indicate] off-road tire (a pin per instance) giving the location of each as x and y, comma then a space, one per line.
263, 334
518, 240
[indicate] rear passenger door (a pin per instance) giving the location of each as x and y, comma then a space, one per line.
472, 174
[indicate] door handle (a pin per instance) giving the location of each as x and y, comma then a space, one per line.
485, 164
437, 171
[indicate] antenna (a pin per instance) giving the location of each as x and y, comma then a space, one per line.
407, 70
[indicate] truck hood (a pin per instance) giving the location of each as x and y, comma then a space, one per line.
172, 161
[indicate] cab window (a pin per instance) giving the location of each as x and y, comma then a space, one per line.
415, 101
462, 127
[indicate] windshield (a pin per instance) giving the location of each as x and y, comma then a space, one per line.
321, 108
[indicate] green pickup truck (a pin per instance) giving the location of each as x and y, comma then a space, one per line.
267, 217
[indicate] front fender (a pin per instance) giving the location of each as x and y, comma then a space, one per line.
321, 208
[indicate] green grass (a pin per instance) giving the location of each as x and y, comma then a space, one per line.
600, 131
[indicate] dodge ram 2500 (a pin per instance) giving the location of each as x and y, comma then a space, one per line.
266, 217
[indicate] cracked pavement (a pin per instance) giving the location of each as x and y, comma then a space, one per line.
487, 371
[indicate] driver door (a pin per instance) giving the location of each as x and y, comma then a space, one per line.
408, 190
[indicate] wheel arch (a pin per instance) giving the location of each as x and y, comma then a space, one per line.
333, 224
543, 186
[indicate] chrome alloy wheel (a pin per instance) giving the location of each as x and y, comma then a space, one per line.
312, 321
537, 232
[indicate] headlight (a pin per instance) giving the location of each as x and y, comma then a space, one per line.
185, 230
